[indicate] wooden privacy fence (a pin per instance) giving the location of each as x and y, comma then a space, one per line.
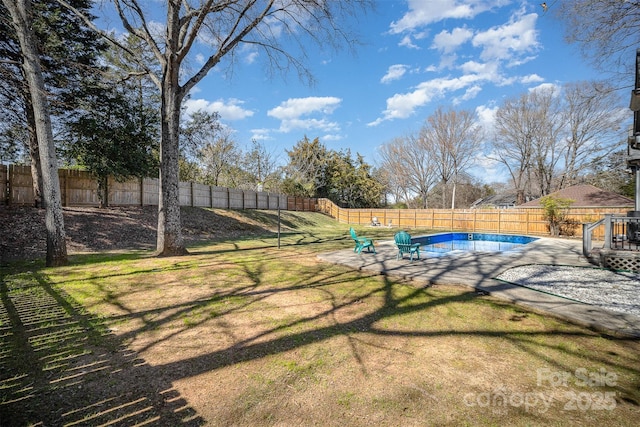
508, 221
79, 188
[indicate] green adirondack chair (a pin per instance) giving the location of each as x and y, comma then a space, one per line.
362, 242
403, 242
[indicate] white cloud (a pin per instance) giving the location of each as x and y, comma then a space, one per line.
401, 106
394, 72
332, 137
407, 41
489, 70
486, 117
291, 113
471, 92
296, 107
231, 109
448, 42
497, 48
531, 78
554, 88
261, 134
422, 13
251, 57
510, 40
488, 170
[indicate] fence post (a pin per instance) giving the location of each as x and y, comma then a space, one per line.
66, 187
141, 191
106, 191
607, 230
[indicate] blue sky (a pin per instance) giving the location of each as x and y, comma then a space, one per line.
416, 56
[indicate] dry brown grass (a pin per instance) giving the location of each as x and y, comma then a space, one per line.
242, 333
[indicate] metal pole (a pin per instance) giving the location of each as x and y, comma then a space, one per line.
278, 227
637, 173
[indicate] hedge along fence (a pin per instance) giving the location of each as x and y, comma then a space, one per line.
528, 221
79, 188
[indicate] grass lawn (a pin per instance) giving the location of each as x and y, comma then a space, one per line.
244, 333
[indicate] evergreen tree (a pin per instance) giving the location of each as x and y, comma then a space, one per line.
68, 51
112, 135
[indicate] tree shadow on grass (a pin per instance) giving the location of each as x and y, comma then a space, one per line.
54, 352
61, 366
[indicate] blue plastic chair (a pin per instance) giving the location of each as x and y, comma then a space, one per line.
405, 246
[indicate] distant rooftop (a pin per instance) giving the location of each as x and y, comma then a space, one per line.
585, 195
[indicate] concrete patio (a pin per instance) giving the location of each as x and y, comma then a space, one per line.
478, 269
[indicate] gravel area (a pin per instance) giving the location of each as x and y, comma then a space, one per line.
615, 291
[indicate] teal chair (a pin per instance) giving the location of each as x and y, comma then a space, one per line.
362, 242
405, 246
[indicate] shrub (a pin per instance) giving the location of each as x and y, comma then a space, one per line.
555, 214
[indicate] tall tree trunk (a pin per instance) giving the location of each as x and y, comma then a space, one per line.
170, 241
34, 154
20, 11
103, 191
453, 193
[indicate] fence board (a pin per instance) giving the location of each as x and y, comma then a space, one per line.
220, 197
201, 195
20, 185
236, 199
151, 191
125, 193
185, 196
249, 198
262, 199
79, 188
528, 221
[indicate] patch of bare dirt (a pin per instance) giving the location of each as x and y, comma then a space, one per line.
91, 229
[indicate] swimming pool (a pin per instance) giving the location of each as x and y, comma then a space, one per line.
471, 242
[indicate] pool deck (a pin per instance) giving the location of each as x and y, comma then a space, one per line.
478, 269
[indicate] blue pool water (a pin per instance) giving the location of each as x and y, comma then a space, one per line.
471, 242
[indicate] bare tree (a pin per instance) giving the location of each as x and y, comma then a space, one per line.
591, 117
548, 146
454, 138
260, 165
546, 137
515, 127
607, 31
218, 156
410, 166
277, 28
21, 15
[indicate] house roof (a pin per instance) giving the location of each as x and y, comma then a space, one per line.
496, 200
585, 195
